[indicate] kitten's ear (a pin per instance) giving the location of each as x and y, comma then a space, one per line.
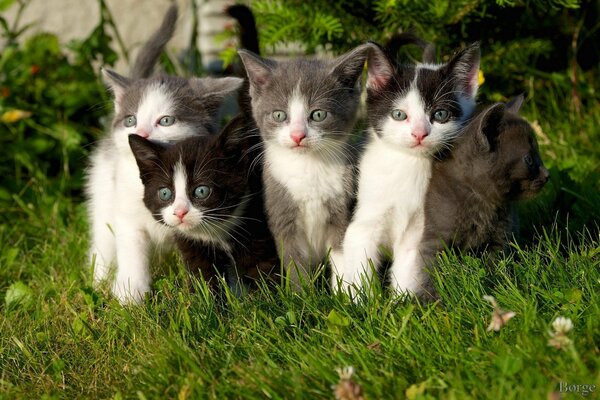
258, 69
348, 67
118, 84
514, 104
488, 124
214, 90
380, 68
146, 154
464, 67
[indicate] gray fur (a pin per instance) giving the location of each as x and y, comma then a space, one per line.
149, 54
469, 203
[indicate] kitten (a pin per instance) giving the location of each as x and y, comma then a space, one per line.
208, 192
493, 164
414, 112
306, 110
161, 108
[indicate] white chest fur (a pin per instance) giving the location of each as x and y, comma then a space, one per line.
312, 182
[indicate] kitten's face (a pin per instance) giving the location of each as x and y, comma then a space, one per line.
421, 108
305, 105
166, 108
197, 186
518, 154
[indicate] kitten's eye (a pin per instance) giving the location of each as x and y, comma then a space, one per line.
318, 115
130, 121
399, 115
528, 160
167, 120
165, 194
201, 192
441, 116
279, 116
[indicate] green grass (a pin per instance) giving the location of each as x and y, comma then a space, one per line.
63, 339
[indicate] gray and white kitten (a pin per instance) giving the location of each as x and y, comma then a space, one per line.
414, 111
161, 108
306, 110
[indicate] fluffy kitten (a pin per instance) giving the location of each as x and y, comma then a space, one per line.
161, 108
494, 163
305, 110
208, 192
413, 112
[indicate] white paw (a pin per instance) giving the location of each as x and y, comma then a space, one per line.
128, 291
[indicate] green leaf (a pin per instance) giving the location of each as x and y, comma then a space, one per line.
18, 295
335, 319
6, 4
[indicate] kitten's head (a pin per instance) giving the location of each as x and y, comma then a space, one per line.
166, 108
198, 185
510, 150
305, 105
421, 108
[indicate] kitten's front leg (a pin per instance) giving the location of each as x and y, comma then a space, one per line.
407, 274
133, 279
360, 247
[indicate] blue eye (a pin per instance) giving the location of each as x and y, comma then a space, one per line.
201, 192
399, 115
279, 115
167, 120
441, 116
318, 115
130, 121
165, 194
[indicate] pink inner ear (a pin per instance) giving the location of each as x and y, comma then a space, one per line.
473, 81
379, 74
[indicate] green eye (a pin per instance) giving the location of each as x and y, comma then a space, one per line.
441, 116
165, 194
399, 115
318, 115
130, 121
201, 192
279, 116
167, 120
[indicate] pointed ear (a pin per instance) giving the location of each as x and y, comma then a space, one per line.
464, 66
514, 104
349, 66
213, 91
380, 68
118, 84
487, 125
146, 153
258, 69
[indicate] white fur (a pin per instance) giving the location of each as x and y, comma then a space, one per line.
123, 230
394, 175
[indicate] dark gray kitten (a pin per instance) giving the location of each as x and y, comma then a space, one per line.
493, 164
159, 108
306, 110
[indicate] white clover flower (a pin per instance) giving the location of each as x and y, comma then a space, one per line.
562, 325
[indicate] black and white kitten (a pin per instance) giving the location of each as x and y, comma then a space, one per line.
207, 191
161, 108
494, 163
306, 110
414, 111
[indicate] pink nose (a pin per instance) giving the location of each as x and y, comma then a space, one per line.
181, 212
420, 134
297, 136
143, 134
